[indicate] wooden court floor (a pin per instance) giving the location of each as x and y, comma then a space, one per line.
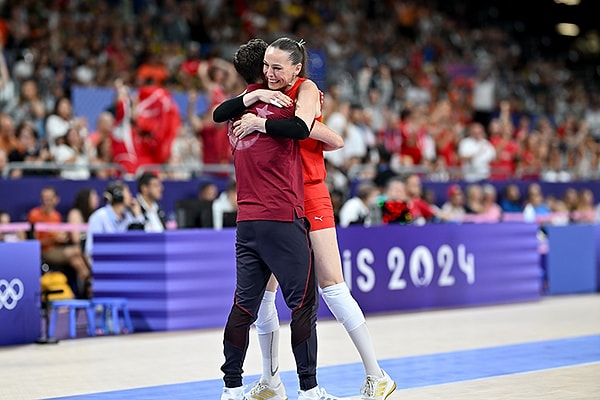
548, 349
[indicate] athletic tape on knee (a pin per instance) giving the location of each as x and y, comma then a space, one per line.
268, 319
343, 306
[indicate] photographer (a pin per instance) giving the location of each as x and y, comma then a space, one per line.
120, 214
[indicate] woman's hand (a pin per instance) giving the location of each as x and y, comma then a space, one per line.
247, 124
274, 97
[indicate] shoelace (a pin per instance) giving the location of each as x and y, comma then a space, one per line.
323, 395
258, 388
368, 388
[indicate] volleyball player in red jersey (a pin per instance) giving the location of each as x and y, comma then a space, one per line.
285, 71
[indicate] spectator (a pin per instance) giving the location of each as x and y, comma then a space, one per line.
536, 208
225, 203
384, 168
85, 203
9, 236
150, 190
208, 191
411, 150
3, 161
8, 140
338, 121
104, 157
454, 206
104, 129
28, 106
571, 199
187, 74
185, 154
507, 149
152, 71
219, 78
30, 151
419, 209
71, 155
476, 153
357, 210
60, 121
7, 85
213, 137
511, 199
484, 95
358, 136
490, 210
119, 214
57, 248
474, 200
586, 209
394, 206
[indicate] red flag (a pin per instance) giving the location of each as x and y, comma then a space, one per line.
157, 122
122, 141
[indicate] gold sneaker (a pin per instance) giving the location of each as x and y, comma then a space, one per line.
376, 388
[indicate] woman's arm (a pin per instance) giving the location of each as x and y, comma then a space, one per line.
236, 106
308, 103
75, 217
331, 140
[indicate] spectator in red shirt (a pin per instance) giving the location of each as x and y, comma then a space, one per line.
213, 136
420, 210
507, 149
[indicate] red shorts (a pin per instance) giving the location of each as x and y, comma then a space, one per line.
317, 206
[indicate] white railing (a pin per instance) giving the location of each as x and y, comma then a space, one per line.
54, 167
193, 170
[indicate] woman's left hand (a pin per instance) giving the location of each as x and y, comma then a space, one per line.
247, 124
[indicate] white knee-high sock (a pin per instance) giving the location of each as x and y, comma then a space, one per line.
347, 311
267, 327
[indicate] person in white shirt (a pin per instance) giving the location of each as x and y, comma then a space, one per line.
60, 121
120, 214
225, 203
356, 211
476, 153
150, 190
71, 154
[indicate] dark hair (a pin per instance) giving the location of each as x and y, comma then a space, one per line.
231, 186
248, 60
297, 53
22, 126
364, 190
145, 179
114, 192
82, 203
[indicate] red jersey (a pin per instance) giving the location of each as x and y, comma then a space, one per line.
268, 170
313, 163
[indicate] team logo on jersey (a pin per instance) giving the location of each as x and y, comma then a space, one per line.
248, 141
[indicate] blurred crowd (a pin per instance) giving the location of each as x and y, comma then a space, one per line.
411, 89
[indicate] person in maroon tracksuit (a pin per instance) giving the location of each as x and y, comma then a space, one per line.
272, 233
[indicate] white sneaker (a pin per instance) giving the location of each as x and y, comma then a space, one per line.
316, 393
233, 393
262, 391
376, 388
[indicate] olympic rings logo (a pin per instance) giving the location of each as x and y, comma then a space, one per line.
10, 293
